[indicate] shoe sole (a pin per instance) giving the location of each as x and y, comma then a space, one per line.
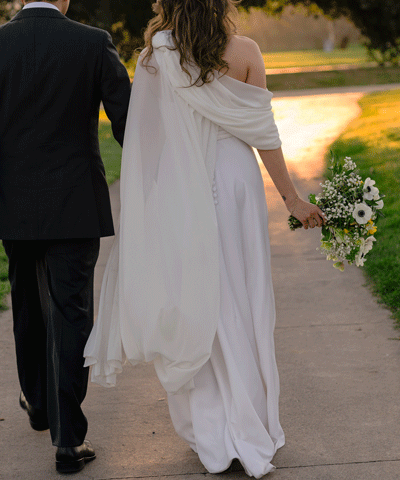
74, 466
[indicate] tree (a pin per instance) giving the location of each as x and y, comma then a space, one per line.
8, 10
125, 20
378, 20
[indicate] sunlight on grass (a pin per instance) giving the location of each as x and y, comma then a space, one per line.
110, 150
334, 78
354, 54
373, 141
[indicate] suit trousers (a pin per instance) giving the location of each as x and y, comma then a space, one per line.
52, 302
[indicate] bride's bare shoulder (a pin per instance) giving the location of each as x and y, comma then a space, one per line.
245, 60
243, 44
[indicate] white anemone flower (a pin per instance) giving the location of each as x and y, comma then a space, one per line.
368, 244
379, 204
362, 213
365, 247
369, 190
360, 259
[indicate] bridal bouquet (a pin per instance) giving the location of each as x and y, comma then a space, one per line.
352, 208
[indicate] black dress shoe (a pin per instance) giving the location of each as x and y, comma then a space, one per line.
73, 459
37, 419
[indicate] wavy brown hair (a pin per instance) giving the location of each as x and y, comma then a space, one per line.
200, 31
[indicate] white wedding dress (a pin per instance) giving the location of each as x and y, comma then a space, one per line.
188, 282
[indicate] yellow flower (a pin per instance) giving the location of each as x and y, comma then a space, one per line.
370, 222
345, 230
372, 230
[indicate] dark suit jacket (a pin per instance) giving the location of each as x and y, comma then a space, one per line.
53, 75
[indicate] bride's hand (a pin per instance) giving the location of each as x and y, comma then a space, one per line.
308, 214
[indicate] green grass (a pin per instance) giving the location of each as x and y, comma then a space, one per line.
373, 142
110, 150
131, 65
353, 54
334, 78
111, 154
4, 284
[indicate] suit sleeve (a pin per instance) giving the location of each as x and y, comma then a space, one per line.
115, 89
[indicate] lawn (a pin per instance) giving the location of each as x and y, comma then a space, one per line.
334, 78
353, 54
111, 154
373, 142
110, 150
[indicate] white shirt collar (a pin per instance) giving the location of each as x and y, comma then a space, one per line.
40, 5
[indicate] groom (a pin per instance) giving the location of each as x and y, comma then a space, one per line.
54, 205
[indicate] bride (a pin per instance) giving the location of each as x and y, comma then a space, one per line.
188, 282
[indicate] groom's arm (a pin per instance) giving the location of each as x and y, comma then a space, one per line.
115, 89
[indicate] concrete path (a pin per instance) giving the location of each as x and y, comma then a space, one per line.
338, 357
309, 124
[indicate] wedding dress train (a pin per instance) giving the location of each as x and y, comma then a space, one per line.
188, 282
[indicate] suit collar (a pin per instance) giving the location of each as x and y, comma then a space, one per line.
39, 5
38, 12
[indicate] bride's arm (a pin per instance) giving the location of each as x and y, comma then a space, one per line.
308, 214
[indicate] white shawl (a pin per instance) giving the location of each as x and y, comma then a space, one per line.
160, 293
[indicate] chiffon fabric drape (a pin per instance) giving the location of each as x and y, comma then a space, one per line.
188, 283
